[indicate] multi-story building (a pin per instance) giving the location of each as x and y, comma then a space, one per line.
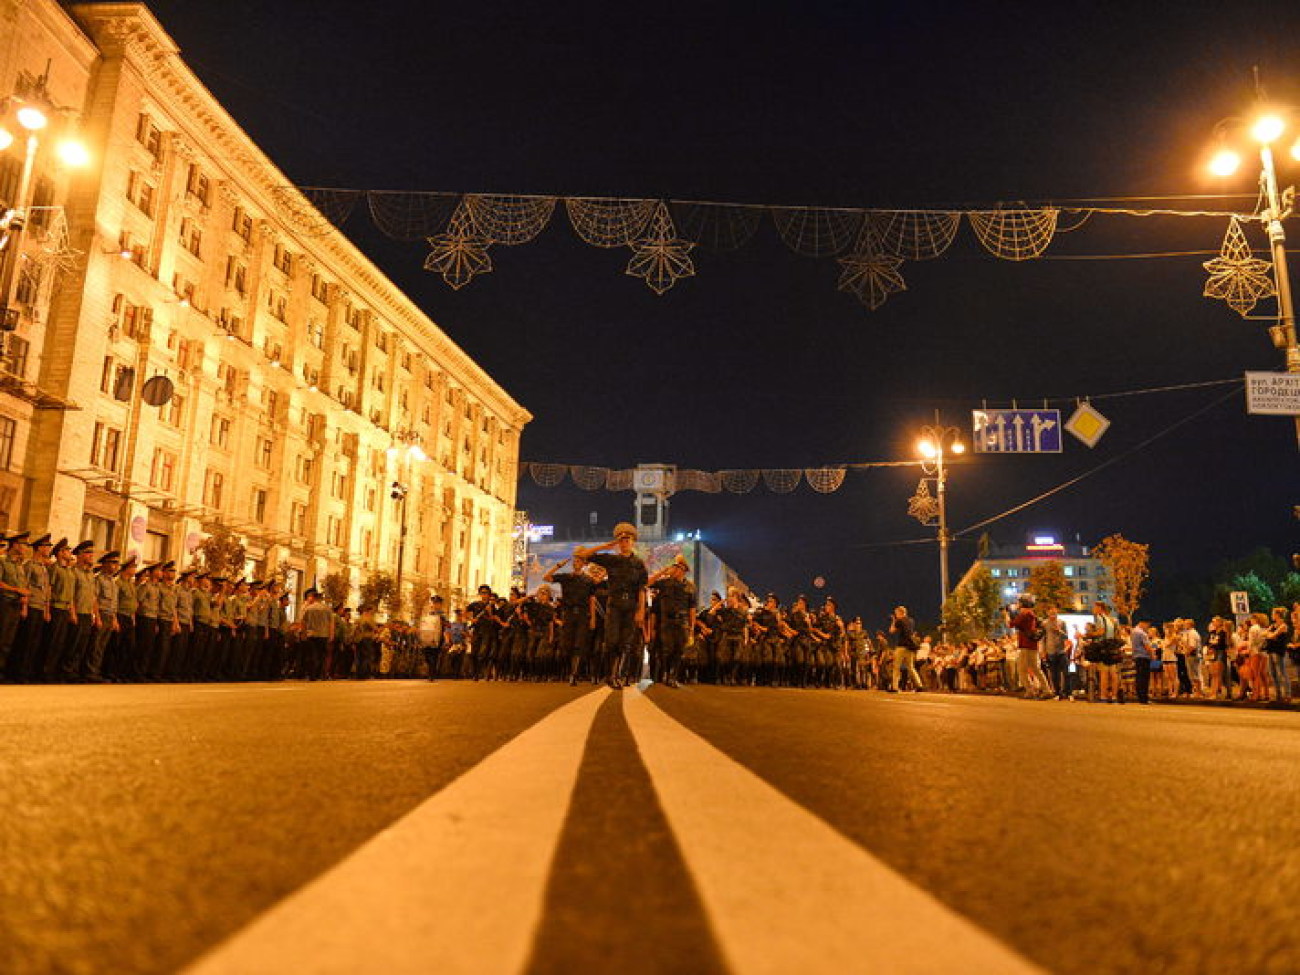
1010, 566
195, 346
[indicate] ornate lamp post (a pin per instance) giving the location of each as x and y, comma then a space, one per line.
1271, 126
936, 443
404, 452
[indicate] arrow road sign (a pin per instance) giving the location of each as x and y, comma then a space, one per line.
1016, 431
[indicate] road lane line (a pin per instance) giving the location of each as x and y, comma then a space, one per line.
786, 892
456, 885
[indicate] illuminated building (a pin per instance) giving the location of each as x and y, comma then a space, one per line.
301, 378
1011, 565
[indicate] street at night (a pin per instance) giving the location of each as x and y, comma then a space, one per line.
459, 826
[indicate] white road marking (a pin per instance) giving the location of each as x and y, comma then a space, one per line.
784, 891
457, 885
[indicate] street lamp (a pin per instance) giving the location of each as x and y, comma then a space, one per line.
28, 115
405, 455
936, 443
1270, 127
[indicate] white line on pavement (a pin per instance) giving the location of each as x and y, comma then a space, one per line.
457, 885
784, 891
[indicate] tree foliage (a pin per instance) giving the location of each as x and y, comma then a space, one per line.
1129, 565
1049, 587
380, 590
223, 553
335, 587
971, 611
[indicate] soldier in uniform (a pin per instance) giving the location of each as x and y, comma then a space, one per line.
13, 594
674, 619
123, 664
708, 635
318, 629
62, 616
801, 650
182, 666
625, 611
168, 627
765, 625
577, 613
27, 662
92, 668
203, 638
147, 594
539, 616
485, 627
732, 619
85, 604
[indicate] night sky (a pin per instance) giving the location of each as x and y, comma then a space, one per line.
759, 361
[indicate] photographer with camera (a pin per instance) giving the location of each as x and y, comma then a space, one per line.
1029, 631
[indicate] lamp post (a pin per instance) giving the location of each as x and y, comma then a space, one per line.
1269, 127
410, 451
30, 115
936, 443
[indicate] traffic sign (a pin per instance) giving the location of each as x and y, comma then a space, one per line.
1016, 431
1240, 603
1273, 393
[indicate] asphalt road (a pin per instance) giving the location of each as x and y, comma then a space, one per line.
142, 827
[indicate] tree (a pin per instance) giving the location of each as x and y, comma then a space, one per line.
1259, 592
335, 587
1049, 587
380, 590
420, 594
971, 611
223, 553
1129, 565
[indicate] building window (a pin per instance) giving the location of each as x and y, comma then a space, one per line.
320, 289
196, 184
298, 518
220, 431
214, 484
162, 472
263, 456
334, 531
15, 357
339, 485
281, 258
142, 193
192, 237
242, 224
173, 413
8, 432
105, 448
302, 469
236, 275
316, 334
371, 495
149, 136
101, 531
157, 547
278, 305
259, 505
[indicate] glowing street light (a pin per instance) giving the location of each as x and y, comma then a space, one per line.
1270, 125
936, 443
412, 454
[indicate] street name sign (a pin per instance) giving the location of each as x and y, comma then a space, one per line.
1273, 393
1016, 431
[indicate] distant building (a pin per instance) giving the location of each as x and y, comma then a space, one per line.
1010, 565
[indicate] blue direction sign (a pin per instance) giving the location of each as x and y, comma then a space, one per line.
1016, 431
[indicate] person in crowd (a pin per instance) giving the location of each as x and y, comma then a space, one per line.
626, 605
1277, 638
902, 631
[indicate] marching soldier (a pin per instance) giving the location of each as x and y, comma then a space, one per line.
625, 611
674, 619
577, 613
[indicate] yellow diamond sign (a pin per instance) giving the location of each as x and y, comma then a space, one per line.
1087, 424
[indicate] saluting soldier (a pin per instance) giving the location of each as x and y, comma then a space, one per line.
625, 611
13, 592
674, 618
106, 611
123, 663
28, 660
577, 613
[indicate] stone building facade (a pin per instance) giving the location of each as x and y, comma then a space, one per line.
303, 384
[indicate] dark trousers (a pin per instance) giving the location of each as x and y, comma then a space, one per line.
10, 617
146, 639
314, 649
122, 663
1058, 668
27, 660
1142, 678
623, 638
56, 642
79, 642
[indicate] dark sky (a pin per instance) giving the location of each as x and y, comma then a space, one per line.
759, 361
